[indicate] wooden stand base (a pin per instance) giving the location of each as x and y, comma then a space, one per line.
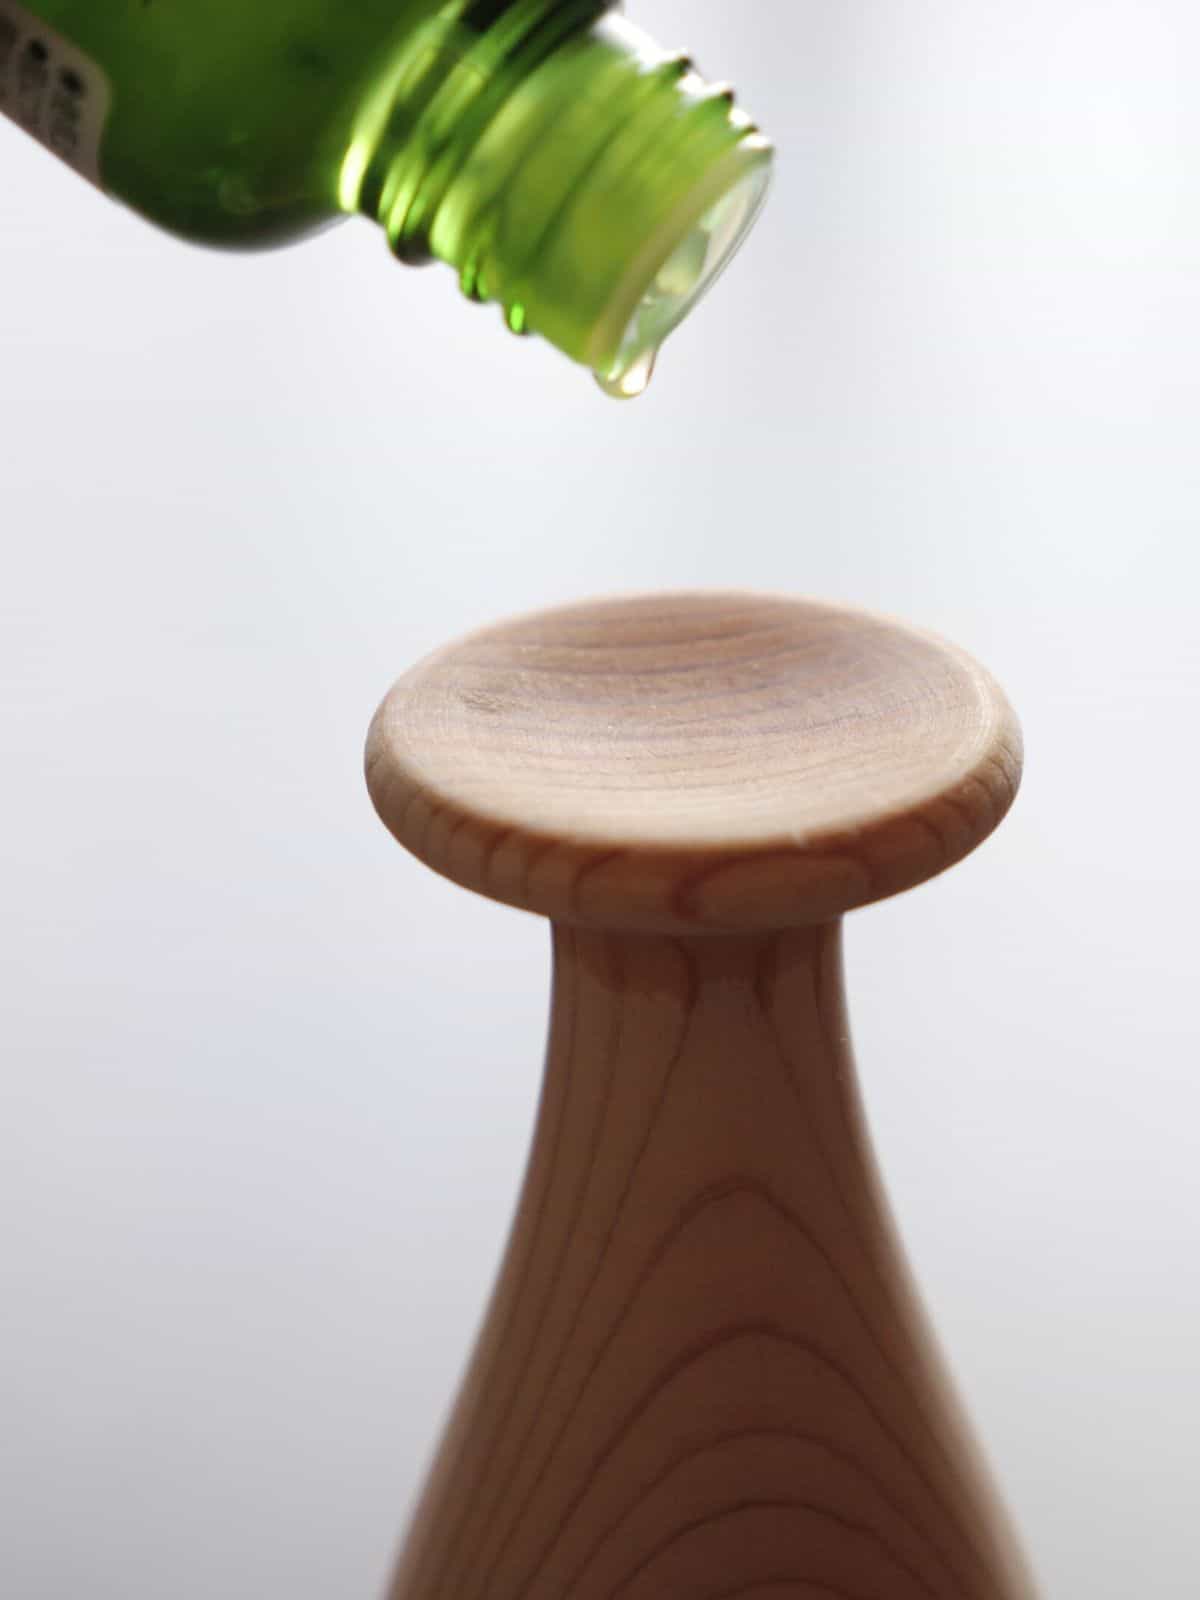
704, 1374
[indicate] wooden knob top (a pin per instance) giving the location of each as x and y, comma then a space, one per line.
694, 762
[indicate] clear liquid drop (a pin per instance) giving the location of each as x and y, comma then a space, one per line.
632, 381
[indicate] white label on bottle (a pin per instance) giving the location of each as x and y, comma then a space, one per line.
52, 89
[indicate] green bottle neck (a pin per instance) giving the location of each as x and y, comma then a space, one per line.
590, 183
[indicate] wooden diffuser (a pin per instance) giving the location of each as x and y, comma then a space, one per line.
704, 1373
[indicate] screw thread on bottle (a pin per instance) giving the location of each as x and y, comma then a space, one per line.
592, 184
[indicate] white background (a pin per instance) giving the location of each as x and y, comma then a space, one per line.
266, 1084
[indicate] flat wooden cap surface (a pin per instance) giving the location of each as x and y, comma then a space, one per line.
694, 762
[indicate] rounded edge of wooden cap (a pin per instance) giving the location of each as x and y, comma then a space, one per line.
694, 762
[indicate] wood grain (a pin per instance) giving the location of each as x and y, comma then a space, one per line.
704, 1373
694, 762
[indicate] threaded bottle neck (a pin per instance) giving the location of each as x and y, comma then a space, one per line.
590, 183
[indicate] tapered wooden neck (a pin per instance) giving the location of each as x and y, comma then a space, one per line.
746, 1039
704, 1364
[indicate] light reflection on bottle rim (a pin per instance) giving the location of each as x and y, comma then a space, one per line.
683, 279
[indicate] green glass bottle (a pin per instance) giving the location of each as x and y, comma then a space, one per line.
590, 183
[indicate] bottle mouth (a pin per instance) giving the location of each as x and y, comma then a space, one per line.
592, 184
698, 250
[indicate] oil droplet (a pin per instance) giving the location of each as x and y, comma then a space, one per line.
633, 380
